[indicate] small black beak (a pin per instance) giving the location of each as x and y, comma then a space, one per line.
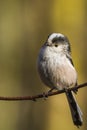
48, 44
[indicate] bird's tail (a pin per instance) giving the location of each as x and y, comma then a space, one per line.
75, 109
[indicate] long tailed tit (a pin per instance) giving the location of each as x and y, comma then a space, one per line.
56, 70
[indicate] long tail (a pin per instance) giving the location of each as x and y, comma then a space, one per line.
75, 109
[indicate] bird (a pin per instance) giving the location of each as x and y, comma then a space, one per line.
57, 71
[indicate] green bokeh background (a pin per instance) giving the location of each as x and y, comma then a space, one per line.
24, 27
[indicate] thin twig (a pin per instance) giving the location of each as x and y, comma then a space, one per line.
33, 98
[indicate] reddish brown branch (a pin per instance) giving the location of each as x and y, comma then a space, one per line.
33, 98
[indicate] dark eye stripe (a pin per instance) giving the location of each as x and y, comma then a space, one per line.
58, 39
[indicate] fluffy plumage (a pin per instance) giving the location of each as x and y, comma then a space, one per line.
56, 70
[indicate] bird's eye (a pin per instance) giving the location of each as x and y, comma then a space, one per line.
56, 45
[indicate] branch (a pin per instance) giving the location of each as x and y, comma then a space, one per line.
43, 95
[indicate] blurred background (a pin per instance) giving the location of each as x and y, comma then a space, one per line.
24, 27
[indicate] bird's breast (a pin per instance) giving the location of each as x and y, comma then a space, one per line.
56, 70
